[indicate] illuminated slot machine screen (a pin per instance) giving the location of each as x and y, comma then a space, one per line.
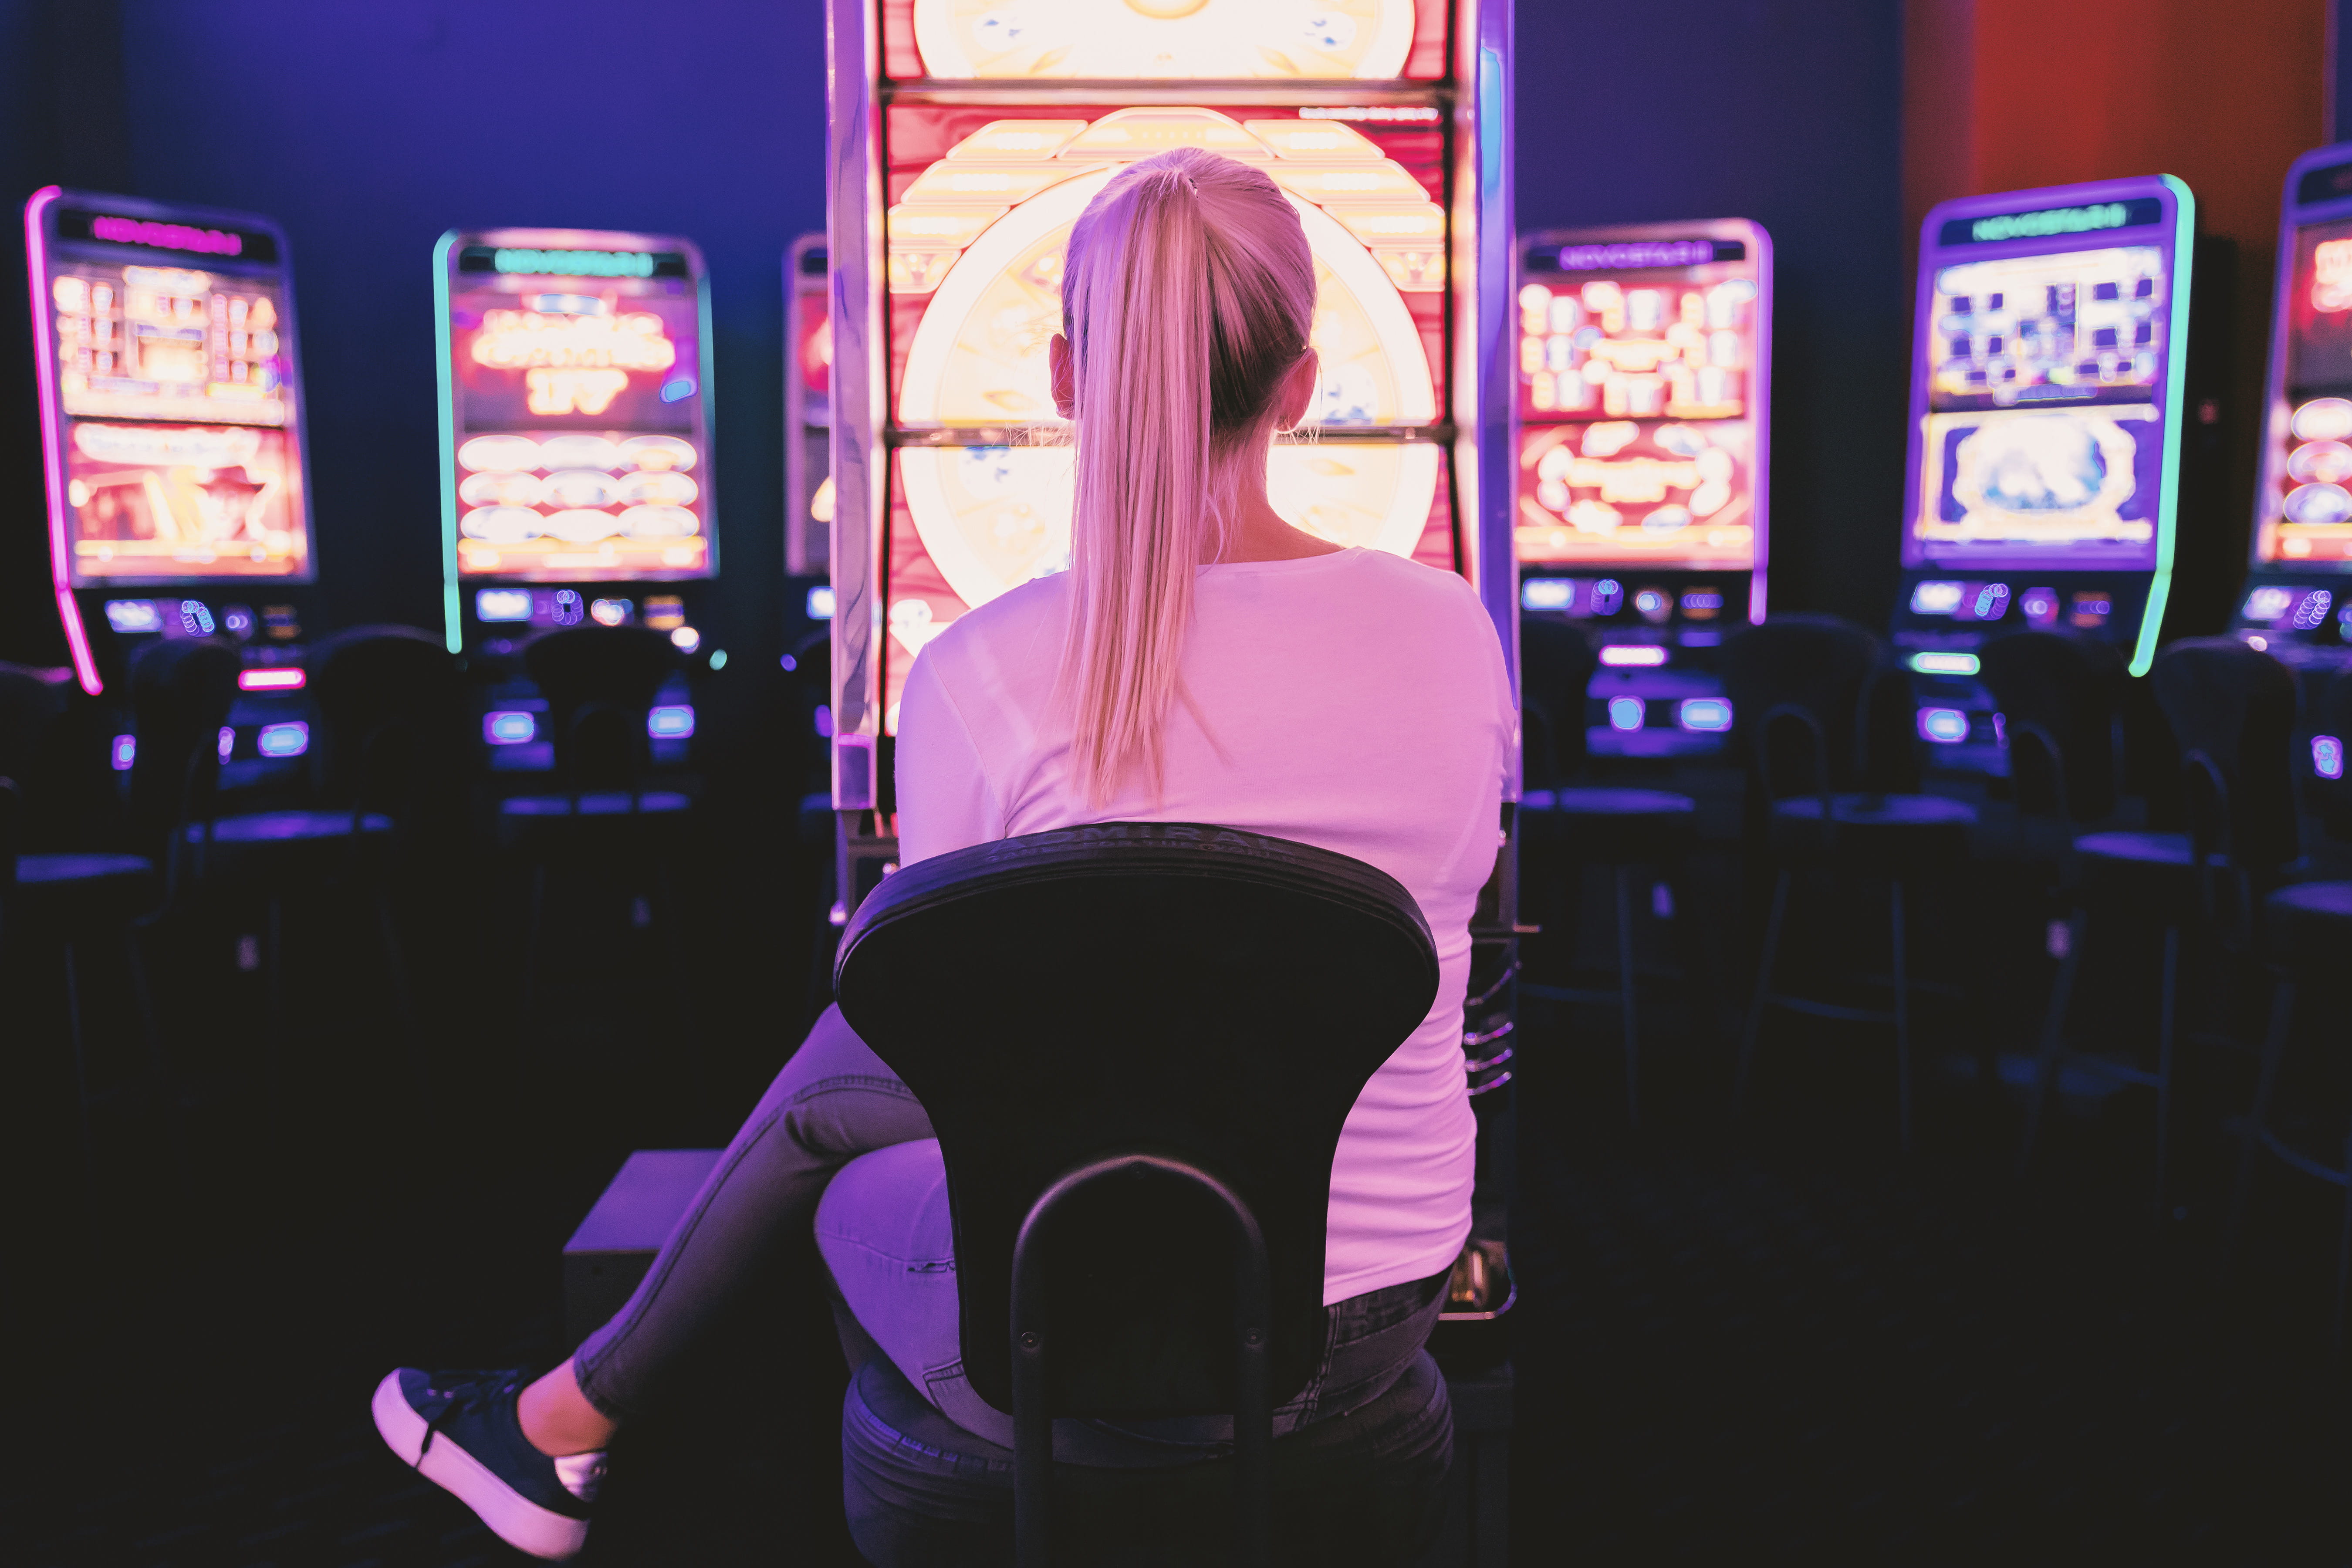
1644, 375
171, 402
808, 407
575, 440
980, 490
2048, 371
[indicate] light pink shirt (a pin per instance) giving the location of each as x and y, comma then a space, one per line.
1358, 702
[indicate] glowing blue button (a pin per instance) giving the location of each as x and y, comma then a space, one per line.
502, 604
289, 740
123, 753
1709, 715
820, 602
1944, 663
2327, 756
670, 723
1548, 593
132, 617
1944, 726
1627, 712
510, 728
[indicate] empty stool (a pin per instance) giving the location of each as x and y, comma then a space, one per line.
1138, 1043
1567, 829
2231, 712
1820, 720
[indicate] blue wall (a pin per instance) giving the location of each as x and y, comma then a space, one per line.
368, 128
1789, 112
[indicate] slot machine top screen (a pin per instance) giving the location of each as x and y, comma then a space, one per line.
1644, 371
573, 390
2303, 509
979, 199
2047, 378
170, 397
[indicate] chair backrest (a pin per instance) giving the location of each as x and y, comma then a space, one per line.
600, 683
1556, 665
1816, 708
2060, 699
12, 830
28, 705
2231, 711
390, 713
181, 693
1159, 988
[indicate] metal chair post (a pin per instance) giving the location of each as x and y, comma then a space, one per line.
1032, 1416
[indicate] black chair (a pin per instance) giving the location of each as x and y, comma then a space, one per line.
2303, 936
601, 683
1566, 829
2060, 696
1138, 1043
1822, 723
61, 903
2230, 709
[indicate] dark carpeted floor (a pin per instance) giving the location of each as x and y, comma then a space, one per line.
1766, 1339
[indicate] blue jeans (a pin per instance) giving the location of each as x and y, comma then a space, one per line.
882, 1228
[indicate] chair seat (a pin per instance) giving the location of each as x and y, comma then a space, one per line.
57, 871
2308, 926
2138, 848
600, 803
286, 827
1360, 1487
1886, 833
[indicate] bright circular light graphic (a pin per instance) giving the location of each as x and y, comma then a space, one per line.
2324, 419
1157, 39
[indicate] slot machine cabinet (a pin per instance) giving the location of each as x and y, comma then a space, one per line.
2295, 604
966, 139
177, 477
2049, 373
575, 458
808, 409
1645, 376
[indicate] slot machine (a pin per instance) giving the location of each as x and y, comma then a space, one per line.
1645, 374
2049, 371
966, 139
575, 458
808, 409
2295, 604
171, 441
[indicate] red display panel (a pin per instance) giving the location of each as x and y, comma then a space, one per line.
1145, 40
2307, 505
576, 445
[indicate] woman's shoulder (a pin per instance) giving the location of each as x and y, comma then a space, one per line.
1415, 587
1010, 623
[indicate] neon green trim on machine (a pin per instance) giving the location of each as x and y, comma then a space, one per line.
452, 630
2175, 394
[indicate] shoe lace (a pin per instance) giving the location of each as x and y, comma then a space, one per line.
457, 1389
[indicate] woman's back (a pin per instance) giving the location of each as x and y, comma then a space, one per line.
1355, 701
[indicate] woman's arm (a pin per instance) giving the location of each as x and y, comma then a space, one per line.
946, 798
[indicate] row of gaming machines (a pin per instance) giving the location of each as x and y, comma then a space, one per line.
576, 459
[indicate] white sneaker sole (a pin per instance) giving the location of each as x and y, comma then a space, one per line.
515, 1518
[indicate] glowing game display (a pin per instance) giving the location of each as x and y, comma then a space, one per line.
574, 445
171, 403
1146, 39
2305, 504
2049, 368
1644, 356
985, 202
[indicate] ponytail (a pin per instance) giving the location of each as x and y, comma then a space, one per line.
1188, 291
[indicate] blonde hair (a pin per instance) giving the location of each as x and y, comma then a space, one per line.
1188, 292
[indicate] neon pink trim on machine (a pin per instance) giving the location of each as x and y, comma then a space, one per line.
53, 464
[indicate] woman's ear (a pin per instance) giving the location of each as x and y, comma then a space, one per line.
1066, 389
1298, 394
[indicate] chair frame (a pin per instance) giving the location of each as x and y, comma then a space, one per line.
1033, 1341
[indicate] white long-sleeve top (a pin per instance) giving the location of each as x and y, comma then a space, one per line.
1355, 701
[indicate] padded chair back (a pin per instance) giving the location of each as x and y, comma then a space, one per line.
391, 709
2231, 712
600, 683
1815, 708
12, 830
1556, 665
27, 705
2061, 696
1156, 988
181, 693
